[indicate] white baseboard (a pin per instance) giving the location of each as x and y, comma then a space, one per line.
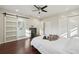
22, 38
8, 41
14, 40
2, 42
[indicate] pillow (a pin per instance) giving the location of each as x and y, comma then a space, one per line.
50, 37
53, 37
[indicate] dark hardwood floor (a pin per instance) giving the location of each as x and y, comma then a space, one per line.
18, 47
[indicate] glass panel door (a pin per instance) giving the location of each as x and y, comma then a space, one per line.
73, 26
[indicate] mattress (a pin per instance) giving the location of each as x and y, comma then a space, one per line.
50, 47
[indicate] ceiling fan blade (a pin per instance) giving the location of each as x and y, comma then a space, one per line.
36, 7
44, 7
44, 10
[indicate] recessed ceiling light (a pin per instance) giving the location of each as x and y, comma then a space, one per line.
16, 10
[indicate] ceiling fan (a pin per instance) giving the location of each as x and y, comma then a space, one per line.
40, 9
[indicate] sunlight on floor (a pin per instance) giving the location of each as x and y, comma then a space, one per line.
27, 43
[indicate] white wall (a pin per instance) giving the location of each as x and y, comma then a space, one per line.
51, 25
58, 24
62, 25
1, 28
42, 29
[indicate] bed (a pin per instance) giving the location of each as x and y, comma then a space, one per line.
60, 46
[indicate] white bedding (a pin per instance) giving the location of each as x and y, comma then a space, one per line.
52, 47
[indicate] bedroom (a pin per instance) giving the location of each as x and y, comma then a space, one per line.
61, 20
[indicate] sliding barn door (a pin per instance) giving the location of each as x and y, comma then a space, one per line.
1, 28
10, 28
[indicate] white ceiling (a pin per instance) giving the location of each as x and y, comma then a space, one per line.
27, 10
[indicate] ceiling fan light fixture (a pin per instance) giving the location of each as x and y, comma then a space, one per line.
16, 10
40, 9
